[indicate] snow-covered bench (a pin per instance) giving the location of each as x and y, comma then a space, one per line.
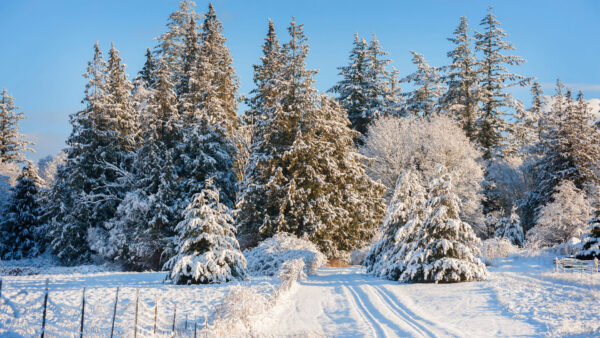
575, 265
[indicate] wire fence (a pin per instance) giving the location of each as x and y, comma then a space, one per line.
117, 314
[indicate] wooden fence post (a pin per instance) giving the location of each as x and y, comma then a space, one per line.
185, 326
556, 264
174, 316
112, 328
82, 313
44, 312
155, 313
0, 288
596, 264
195, 327
137, 300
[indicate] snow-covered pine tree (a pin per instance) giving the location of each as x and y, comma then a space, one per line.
209, 109
148, 70
140, 233
444, 249
591, 241
268, 89
322, 162
216, 82
19, 229
494, 82
528, 126
462, 97
351, 90
207, 250
570, 148
91, 183
423, 100
12, 143
405, 214
510, 228
305, 155
186, 82
171, 44
367, 89
270, 138
120, 107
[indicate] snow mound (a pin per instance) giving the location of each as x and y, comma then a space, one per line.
268, 257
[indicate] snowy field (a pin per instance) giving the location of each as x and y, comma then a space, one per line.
22, 299
522, 297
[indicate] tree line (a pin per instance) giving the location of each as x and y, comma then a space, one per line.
147, 156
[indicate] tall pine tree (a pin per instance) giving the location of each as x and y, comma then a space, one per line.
462, 98
367, 89
20, 228
494, 82
12, 143
304, 158
427, 82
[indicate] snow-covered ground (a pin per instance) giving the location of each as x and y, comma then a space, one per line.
522, 297
22, 298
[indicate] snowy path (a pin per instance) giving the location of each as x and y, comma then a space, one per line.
344, 302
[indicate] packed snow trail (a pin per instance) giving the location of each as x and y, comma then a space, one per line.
345, 302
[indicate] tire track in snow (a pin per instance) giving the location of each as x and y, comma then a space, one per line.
386, 322
426, 326
400, 312
370, 322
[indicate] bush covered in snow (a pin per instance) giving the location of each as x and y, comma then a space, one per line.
268, 257
208, 251
563, 218
591, 241
496, 248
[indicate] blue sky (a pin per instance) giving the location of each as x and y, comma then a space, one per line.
45, 45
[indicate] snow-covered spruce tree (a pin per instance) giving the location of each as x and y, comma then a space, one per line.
510, 228
91, 183
527, 129
270, 130
570, 149
216, 83
397, 144
495, 81
591, 241
301, 161
565, 217
19, 229
427, 82
367, 89
405, 214
207, 250
321, 163
12, 143
444, 249
171, 44
462, 97
140, 233
148, 71
209, 109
